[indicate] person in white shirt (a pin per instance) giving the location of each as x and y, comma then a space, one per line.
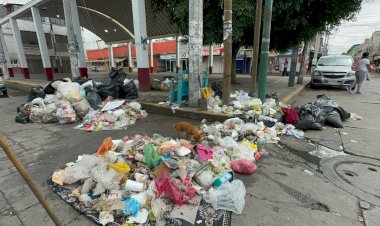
360, 75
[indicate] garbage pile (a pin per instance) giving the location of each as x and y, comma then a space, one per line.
145, 180
116, 114
66, 101
320, 112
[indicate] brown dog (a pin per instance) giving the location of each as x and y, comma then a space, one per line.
189, 129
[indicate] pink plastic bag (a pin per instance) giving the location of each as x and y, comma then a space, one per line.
204, 152
243, 166
168, 187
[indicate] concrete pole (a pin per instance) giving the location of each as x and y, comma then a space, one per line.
177, 54
111, 56
256, 47
42, 43
195, 51
211, 59
6, 54
139, 25
151, 56
78, 37
3, 63
20, 48
265, 41
227, 37
130, 62
72, 43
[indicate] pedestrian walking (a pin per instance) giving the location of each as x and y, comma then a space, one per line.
285, 71
361, 68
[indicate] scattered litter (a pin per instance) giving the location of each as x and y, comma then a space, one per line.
309, 172
354, 141
344, 133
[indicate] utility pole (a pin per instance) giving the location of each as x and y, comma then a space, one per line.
195, 51
265, 41
256, 46
227, 37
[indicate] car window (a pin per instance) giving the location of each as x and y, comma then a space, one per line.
335, 61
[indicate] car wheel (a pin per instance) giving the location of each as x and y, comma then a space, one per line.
312, 86
5, 92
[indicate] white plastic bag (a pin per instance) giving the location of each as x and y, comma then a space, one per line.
50, 98
66, 114
229, 196
70, 91
81, 108
80, 170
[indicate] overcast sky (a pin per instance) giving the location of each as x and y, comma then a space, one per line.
354, 32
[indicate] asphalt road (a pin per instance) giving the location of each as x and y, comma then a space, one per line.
286, 190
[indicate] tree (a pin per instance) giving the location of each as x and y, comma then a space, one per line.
293, 21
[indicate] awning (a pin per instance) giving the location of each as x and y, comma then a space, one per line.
112, 21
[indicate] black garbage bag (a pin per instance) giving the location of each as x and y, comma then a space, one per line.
105, 91
117, 76
217, 87
79, 80
22, 118
93, 99
49, 89
20, 108
36, 92
311, 117
333, 119
307, 122
129, 91
328, 105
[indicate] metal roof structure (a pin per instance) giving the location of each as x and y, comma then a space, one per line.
111, 20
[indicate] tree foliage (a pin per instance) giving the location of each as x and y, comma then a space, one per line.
293, 21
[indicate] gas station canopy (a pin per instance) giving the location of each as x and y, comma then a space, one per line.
111, 20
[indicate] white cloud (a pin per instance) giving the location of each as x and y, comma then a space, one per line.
354, 32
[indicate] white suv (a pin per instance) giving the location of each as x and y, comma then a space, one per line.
333, 71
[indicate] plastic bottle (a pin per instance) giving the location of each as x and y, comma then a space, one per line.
221, 180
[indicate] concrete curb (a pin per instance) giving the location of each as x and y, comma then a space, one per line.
20, 86
290, 98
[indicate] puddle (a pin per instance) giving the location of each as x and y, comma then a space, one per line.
323, 152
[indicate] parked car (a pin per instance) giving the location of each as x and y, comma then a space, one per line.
3, 87
333, 71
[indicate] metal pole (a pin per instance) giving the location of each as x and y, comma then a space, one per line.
42, 43
72, 43
20, 168
195, 51
6, 53
256, 46
265, 41
227, 37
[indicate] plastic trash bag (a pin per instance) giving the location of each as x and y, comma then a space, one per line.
70, 91
50, 114
129, 91
168, 186
36, 114
217, 87
50, 98
81, 108
131, 207
36, 92
333, 119
229, 196
79, 80
80, 170
311, 117
66, 114
94, 100
243, 166
105, 146
105, 91
117, 76
290, 115
151, 156
21, 117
